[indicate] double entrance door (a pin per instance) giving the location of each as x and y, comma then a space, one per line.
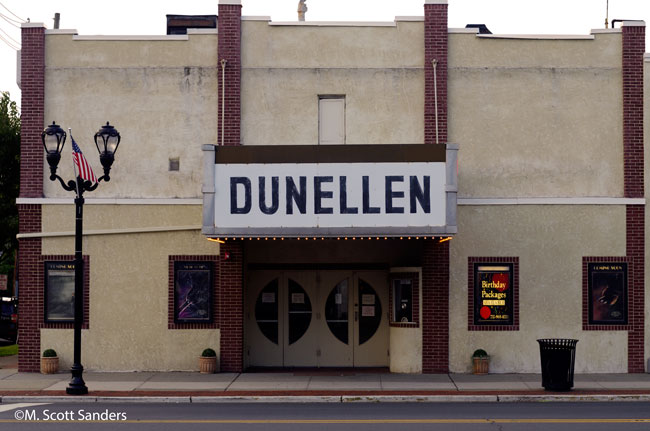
316, 319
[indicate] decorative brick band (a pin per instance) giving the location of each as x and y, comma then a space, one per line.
170, 293
30, 290
435, 48
470, 293
32, 78
229, 46
231, 306
435, 307
415, 292
41, 281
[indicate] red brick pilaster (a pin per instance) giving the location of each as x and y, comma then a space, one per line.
231, 306
435, 307
32, 79
435, 261
435, 48
633, 50
635, 250
229, 45
30, 291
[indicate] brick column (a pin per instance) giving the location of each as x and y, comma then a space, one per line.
435, 307
229, 45
435, 260
435, 48
231, 306
633, 49
30, 291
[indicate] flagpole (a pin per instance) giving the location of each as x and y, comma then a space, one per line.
74, 166
77, 386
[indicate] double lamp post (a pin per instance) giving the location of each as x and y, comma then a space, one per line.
107, 140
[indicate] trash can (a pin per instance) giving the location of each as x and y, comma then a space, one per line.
558, 359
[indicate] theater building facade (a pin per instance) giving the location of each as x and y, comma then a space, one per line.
340, 194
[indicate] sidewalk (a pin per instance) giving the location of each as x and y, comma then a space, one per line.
320, 385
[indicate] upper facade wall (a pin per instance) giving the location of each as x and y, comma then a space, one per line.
160, 93
546, 114
537, 118
378, 68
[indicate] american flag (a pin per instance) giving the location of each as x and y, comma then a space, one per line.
83, 168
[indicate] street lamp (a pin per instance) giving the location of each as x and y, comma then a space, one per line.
107, 140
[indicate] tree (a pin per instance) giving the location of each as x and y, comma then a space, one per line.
9, 183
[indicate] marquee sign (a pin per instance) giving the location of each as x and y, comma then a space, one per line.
329, 190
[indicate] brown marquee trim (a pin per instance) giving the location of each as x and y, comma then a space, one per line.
330, 153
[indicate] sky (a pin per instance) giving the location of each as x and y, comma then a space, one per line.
139, 17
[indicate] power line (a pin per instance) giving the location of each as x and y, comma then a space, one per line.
9, 36
21, 20
9, 20
8, 43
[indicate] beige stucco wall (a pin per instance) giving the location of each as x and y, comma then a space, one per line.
550, 241
160, 94
377, 68
536, 118
129, 287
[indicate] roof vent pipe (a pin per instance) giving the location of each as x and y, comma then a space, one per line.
302, 8
57, 19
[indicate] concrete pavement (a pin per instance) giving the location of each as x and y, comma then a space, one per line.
319, 385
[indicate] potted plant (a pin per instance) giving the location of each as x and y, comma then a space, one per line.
481, 362
208, 361
49, 362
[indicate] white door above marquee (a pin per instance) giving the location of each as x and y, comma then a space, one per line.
329, 191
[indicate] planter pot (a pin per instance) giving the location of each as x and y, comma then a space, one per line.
481, 365
207, 364
50, 365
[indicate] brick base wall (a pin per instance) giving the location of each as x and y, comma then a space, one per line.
231, 306
30, 291
435, 307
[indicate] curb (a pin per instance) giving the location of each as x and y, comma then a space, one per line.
332, 399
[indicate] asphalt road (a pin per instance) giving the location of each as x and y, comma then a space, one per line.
328, 416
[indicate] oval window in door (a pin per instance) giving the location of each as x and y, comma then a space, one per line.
336, 311
266, 311
370, 311
299, 311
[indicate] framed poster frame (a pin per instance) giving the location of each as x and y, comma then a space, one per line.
494, 294
60, 269
607, 293
193, 292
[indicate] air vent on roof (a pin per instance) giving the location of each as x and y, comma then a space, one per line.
178, 24
482, 28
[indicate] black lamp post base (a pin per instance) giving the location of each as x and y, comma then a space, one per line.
77, 386
76, 390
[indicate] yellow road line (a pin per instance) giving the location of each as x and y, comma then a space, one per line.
351, 421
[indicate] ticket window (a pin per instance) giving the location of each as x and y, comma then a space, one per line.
404, 299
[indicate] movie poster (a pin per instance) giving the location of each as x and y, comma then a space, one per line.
193, 292
493, 294
608, 293
59, 291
